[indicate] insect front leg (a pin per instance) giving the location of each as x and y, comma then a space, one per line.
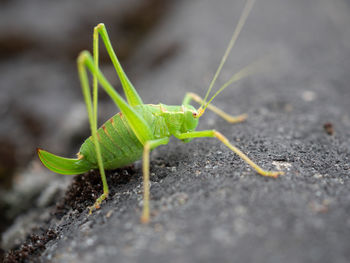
223, 139
149, 145
229, 118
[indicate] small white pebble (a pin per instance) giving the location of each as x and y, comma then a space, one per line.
308, 95
282, 165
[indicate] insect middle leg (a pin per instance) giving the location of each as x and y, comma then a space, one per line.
223, 139
149, 145
229, 118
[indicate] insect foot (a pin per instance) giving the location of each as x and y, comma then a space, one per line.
273, 174
145, 219
98, 202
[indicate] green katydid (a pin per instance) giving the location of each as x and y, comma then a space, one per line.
139, 128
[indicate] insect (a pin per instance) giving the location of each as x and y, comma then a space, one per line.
138, 128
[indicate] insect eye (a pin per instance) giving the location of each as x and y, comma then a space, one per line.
194, 114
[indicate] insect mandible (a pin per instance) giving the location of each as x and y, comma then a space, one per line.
138, 128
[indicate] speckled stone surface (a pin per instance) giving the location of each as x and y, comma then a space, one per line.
207, 204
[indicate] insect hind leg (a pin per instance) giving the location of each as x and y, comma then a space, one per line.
92, 114
229, 118
131, 94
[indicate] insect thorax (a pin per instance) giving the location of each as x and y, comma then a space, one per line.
166, 120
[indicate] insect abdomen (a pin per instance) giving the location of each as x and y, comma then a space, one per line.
119, 145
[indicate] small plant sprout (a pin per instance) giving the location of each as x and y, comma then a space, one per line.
138, 128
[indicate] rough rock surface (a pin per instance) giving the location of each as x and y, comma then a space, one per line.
207, 204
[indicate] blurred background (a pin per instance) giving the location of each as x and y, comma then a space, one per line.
166, 48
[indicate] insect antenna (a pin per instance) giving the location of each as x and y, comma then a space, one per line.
245, 72
247, 8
